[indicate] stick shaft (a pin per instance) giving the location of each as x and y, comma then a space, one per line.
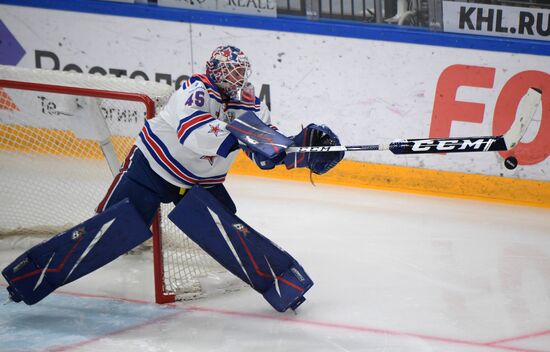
418, 146
508, 141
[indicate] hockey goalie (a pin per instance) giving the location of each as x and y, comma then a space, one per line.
182, 156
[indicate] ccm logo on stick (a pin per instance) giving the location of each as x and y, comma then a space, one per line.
449, 145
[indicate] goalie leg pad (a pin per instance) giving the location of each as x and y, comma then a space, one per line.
240, 249
75, 253
220, 193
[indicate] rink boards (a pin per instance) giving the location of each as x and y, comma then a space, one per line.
406, 84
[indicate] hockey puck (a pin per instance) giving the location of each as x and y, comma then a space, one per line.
510, 163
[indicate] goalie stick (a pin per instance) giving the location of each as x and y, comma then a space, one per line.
507, 141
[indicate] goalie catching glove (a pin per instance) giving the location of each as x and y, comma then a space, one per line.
318, 163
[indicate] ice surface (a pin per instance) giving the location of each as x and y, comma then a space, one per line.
393, 272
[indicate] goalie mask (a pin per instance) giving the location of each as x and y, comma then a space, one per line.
230, 69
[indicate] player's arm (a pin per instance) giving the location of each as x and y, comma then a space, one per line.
263, 162
248, 103
258, 137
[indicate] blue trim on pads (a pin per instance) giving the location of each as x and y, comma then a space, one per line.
336, 28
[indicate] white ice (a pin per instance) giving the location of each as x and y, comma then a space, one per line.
393, 272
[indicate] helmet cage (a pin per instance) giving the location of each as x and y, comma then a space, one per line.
230, 69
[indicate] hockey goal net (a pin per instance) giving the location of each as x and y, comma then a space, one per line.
62, 137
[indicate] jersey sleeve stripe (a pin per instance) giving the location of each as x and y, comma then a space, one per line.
194, 127
198, 123
189, 117
162, 156
191, 122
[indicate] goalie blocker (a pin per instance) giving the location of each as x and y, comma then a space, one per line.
244, 252
75, 253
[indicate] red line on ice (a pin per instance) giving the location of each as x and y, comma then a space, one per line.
357, 328
286, 319
114, 333
517, 338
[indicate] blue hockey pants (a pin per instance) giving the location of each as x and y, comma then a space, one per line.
146, 190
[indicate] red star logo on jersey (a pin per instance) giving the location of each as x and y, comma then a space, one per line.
215, 129
210, 158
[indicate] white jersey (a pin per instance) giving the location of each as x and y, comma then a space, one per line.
187, 142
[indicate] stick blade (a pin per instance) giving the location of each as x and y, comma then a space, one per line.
527, 108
